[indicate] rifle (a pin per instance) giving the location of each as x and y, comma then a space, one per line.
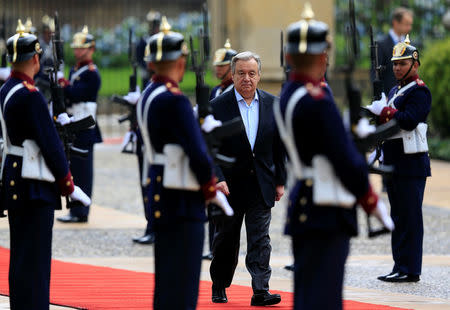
354, 97
67, 133
283, 64
3, 49
232, 127
131, 116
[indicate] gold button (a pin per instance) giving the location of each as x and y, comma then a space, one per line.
388, 112
14, 197
145, 199
303, 201
158, 179
309, 182
156, 197
12, 183
71, 177
302, 218
68, 183
157, 214
211, 188
14, 164
387, 119
371, 200
148, 181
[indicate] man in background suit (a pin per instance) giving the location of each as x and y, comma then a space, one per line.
252, 184
401, 21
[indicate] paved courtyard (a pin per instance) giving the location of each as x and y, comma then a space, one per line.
117, 216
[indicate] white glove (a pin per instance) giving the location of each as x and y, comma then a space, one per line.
210, 123
378, 105
222, 202
64, 119
380, 212
130, 136
80, 196
59, 75
363, 129
133, 97
4, 73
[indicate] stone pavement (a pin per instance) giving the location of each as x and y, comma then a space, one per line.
117, 216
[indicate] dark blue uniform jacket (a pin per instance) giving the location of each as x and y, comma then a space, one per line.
318, 129
84, 88
171, 121
27, 117
412, 107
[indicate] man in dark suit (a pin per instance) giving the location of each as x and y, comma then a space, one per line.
401, 21
252, 184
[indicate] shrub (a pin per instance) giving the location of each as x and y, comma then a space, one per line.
435, 71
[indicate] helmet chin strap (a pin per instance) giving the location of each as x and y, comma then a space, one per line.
225, 74
406, 74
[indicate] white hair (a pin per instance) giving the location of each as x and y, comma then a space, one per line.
245, 56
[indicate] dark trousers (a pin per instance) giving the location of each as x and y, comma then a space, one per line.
30, 256
140, 157
83, 176
178, 257
406, 197
319, 270
211, 231
227, 239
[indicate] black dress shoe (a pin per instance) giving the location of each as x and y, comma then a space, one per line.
219, 296
264, 298
400, 277
145, 239
72, 219
290, 267
208, 256
383, 278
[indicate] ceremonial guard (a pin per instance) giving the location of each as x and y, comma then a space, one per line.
222, 69
409, 103
81, 92
153, 19
330, 175
180, 179
45, 38
35, 173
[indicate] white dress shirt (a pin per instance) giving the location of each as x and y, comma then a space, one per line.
250, 116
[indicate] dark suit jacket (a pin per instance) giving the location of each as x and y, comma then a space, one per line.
385, 46
266, 161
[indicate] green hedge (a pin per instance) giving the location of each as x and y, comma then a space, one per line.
435, 72
439, 148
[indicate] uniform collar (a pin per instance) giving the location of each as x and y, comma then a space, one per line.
299, 77
225, 83
84, 63
409, 80
22, 76
164, 80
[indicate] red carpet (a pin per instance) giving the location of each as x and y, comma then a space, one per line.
91, 287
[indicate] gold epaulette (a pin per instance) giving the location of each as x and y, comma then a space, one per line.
315, 91
173, 89
29, 86
420, 82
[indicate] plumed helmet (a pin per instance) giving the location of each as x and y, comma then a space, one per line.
223, 55
29, 28
83, 39
404, 50
307, 36
166, 45
22, 46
